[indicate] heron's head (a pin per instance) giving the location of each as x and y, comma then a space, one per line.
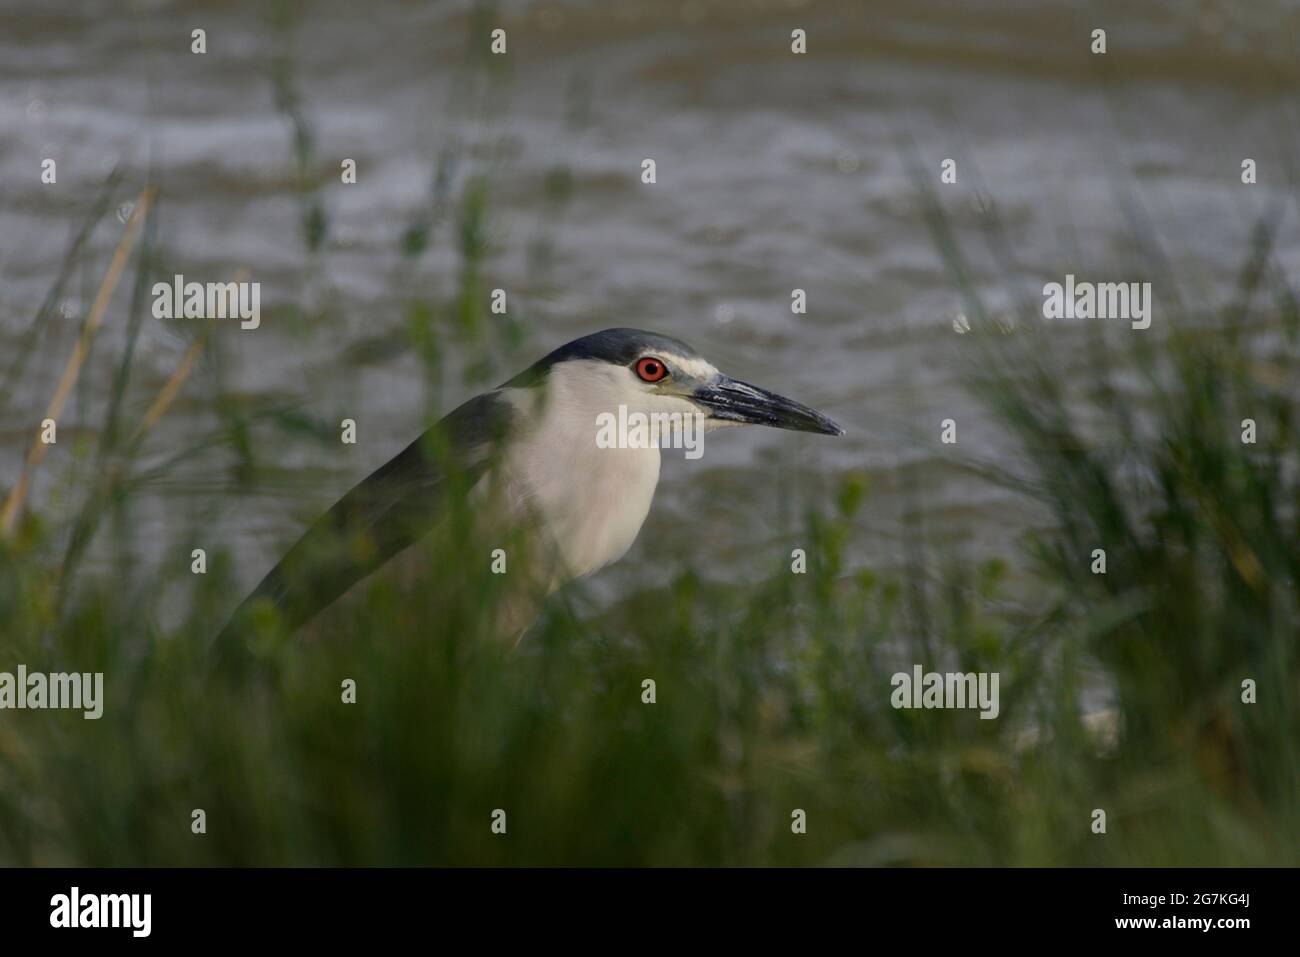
649, 373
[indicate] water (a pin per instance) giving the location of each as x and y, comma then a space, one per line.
775, 171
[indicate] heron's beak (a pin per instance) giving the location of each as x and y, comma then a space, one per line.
730, 400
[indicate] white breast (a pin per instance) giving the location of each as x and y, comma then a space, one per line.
591, 500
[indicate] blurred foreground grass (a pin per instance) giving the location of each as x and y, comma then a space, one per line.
769, 698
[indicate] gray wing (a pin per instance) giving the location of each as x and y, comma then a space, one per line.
385, 513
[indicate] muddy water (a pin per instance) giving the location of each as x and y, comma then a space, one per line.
775, 171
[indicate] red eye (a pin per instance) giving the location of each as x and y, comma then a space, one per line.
651, 369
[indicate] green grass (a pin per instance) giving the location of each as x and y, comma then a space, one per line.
770, 697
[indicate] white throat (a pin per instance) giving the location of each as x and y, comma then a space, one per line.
591, 500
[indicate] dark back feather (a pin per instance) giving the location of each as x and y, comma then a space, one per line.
388, 511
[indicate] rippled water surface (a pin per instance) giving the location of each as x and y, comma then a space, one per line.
774, 171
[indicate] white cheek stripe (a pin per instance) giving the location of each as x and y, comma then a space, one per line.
695, 367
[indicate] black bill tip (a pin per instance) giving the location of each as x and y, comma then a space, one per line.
730, 400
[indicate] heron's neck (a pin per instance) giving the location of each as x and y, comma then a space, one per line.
592, 500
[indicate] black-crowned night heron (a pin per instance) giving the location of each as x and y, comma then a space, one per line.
542, 450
